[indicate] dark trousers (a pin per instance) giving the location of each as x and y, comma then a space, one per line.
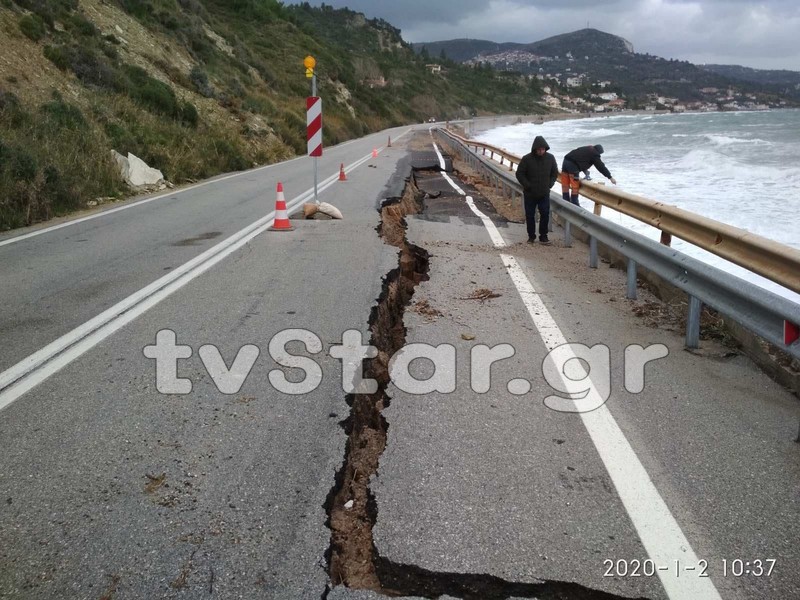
543, 206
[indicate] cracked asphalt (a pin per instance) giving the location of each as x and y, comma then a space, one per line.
109, 489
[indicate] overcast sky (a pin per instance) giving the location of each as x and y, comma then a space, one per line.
762, 35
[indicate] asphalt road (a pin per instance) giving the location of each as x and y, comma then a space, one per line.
108, 485
499, 484
111, 489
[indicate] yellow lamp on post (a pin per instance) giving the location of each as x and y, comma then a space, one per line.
309, 64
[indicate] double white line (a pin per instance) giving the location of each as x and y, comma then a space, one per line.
31, 371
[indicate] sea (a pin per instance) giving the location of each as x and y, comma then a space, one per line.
738, 168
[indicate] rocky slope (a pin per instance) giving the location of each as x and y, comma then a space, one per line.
199, 87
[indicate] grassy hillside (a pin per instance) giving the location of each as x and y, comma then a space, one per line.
199, 87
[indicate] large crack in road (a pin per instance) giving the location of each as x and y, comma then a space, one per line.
350, 506
353, 559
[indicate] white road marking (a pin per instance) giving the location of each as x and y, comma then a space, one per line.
442, 165
32, 370
494, 233
658, 530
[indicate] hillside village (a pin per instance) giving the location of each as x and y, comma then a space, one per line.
589, 70
574, 90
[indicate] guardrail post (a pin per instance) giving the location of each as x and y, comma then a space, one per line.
666, 238
568, 234
693, 322
631, 295
598, 208
592, 252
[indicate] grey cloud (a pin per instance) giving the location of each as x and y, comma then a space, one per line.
400, 12
761, 35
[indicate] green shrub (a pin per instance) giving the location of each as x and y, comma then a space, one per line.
120, 138
33, 27
199, 79
231, 157
236, 88
194, 7
81, 26
110, 51
170, 22
291, 135
189, 114
57, 56
138, 8
22, 165
258, 105
264, 11
62, 115
91, 69
11, 112
58, 192
155, 95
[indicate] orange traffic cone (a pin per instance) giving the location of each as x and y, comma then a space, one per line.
281, 215
342, 176
374, 153
389, 145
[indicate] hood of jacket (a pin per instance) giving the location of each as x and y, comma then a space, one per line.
538, 142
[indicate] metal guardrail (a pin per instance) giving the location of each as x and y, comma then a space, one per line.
758, 310
776, 262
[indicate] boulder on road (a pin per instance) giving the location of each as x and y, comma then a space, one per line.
135, 172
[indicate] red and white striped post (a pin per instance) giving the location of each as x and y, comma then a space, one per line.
314, 133
314, 124
313, 119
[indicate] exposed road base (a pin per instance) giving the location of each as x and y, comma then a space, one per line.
350, 506
353, 558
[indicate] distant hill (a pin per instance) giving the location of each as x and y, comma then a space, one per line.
462, 50
585, 40
605, 57
790, 80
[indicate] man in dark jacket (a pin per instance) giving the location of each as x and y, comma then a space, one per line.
580, 159
537, 172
